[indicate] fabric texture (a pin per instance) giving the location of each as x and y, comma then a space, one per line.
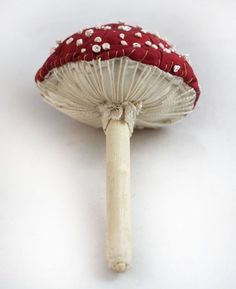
117, 40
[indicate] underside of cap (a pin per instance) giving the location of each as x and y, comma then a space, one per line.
97, 91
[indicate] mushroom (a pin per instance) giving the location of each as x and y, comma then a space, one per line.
118, 77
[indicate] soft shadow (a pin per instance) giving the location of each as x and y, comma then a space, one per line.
87, 146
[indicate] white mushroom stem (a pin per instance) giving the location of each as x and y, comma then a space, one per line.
118, 195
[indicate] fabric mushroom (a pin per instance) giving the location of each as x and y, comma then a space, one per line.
118, 77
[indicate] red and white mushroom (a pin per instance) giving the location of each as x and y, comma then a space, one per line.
118, 77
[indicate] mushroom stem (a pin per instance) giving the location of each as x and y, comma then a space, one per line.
118, 195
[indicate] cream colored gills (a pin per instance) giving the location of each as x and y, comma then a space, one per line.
82, 90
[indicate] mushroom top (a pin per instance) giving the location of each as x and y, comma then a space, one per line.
117, 40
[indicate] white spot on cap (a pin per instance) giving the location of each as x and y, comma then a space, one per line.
135, 44
98, 39
161, 45
144, 31
107, 27
89, 32
148, 43
138, 34
154, 46
106, 46
124, 27
167, 50
123, 42
98, 26
127, 28
122, 35
96, 48
83, 50
69, 40
79, 42
176, 68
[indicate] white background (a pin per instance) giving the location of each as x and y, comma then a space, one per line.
52, 168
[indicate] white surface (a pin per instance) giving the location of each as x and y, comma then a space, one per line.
52, 185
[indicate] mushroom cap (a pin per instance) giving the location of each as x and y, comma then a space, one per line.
85, 74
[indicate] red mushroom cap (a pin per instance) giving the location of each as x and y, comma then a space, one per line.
117, 40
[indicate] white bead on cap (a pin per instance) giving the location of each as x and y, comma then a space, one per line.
79, 42
135, 44
89, 32
148, 43
96, 48
124, 27
176, 68
167, 50
106, 27
138, 34
98, 39
69, 40
123, 42
106, 46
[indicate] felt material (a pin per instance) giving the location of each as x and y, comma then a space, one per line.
160, 54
